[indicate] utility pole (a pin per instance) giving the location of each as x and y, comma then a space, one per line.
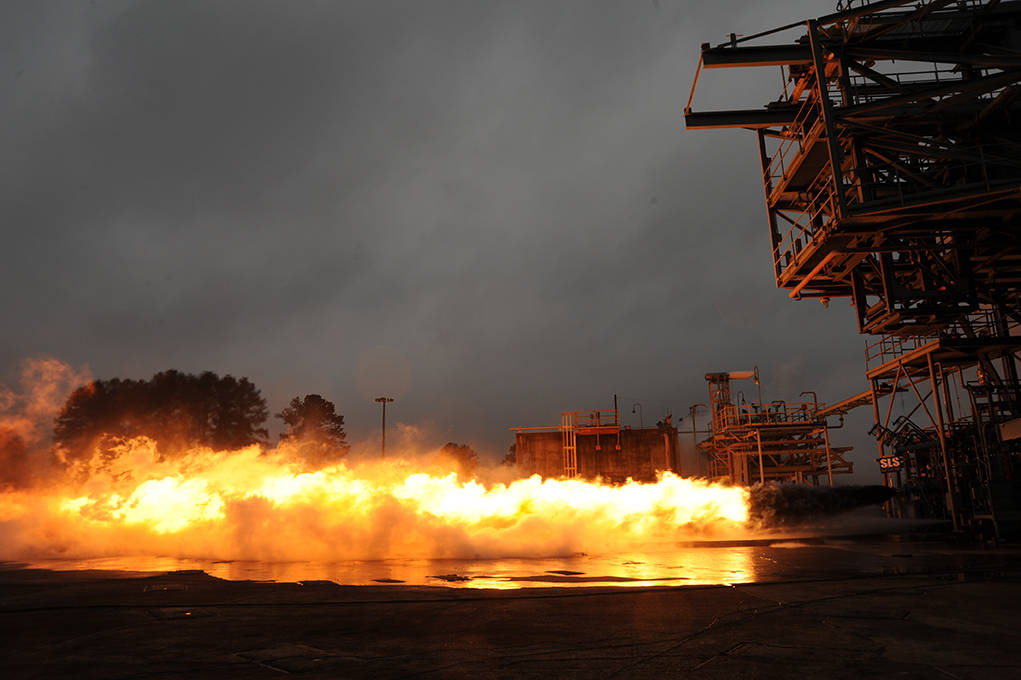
384, 401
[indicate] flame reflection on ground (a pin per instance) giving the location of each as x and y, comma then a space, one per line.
676, 567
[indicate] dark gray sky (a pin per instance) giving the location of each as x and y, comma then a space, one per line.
489, 209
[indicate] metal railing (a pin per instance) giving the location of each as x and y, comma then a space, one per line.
846, 5
864, 90
889, 347
981, 324
794, 135
600, 418
981, 168
776, 413
810, 225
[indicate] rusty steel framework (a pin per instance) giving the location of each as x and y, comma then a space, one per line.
891, 169
756, 442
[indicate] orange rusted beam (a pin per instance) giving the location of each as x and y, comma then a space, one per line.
796, 293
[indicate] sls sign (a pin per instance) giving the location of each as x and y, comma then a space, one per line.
890, 463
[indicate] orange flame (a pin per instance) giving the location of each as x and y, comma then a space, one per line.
251, 504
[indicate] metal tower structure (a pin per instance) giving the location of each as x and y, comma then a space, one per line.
891, 170
756, 442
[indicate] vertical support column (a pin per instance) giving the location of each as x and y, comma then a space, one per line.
858, 297
875, 412
694, 446
946, 394
829, 461
1008, 359
890, 289
863, 191
826, 108
767, 183
858, 170
762, 472
942, 441
879, 440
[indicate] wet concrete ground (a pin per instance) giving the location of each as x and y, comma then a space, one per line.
956, 623
690, 563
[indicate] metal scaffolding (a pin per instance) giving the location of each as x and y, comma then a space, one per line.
756, 442
891, 169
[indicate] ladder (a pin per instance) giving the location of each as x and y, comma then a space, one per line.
569, 438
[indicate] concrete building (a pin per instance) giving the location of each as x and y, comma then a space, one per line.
591, 444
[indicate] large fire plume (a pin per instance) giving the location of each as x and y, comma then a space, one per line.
251, 504
277, 505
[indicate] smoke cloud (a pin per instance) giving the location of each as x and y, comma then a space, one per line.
778, 505
27, 412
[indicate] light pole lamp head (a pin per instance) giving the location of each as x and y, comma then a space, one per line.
383, 400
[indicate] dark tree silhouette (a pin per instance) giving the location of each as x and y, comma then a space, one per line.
178, 410
465, 457
236, 413
512, 455
314, 419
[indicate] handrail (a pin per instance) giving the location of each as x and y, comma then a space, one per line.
792, 134
777, 413
890, 181
818, 211
981, 324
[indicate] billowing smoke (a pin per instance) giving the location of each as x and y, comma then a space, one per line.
781, 505
26, 420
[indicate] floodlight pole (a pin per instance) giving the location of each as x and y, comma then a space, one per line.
382, 449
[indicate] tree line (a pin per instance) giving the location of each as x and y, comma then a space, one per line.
180, 411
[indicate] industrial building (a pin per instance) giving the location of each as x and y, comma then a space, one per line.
748, 442
594, 444
891, 171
